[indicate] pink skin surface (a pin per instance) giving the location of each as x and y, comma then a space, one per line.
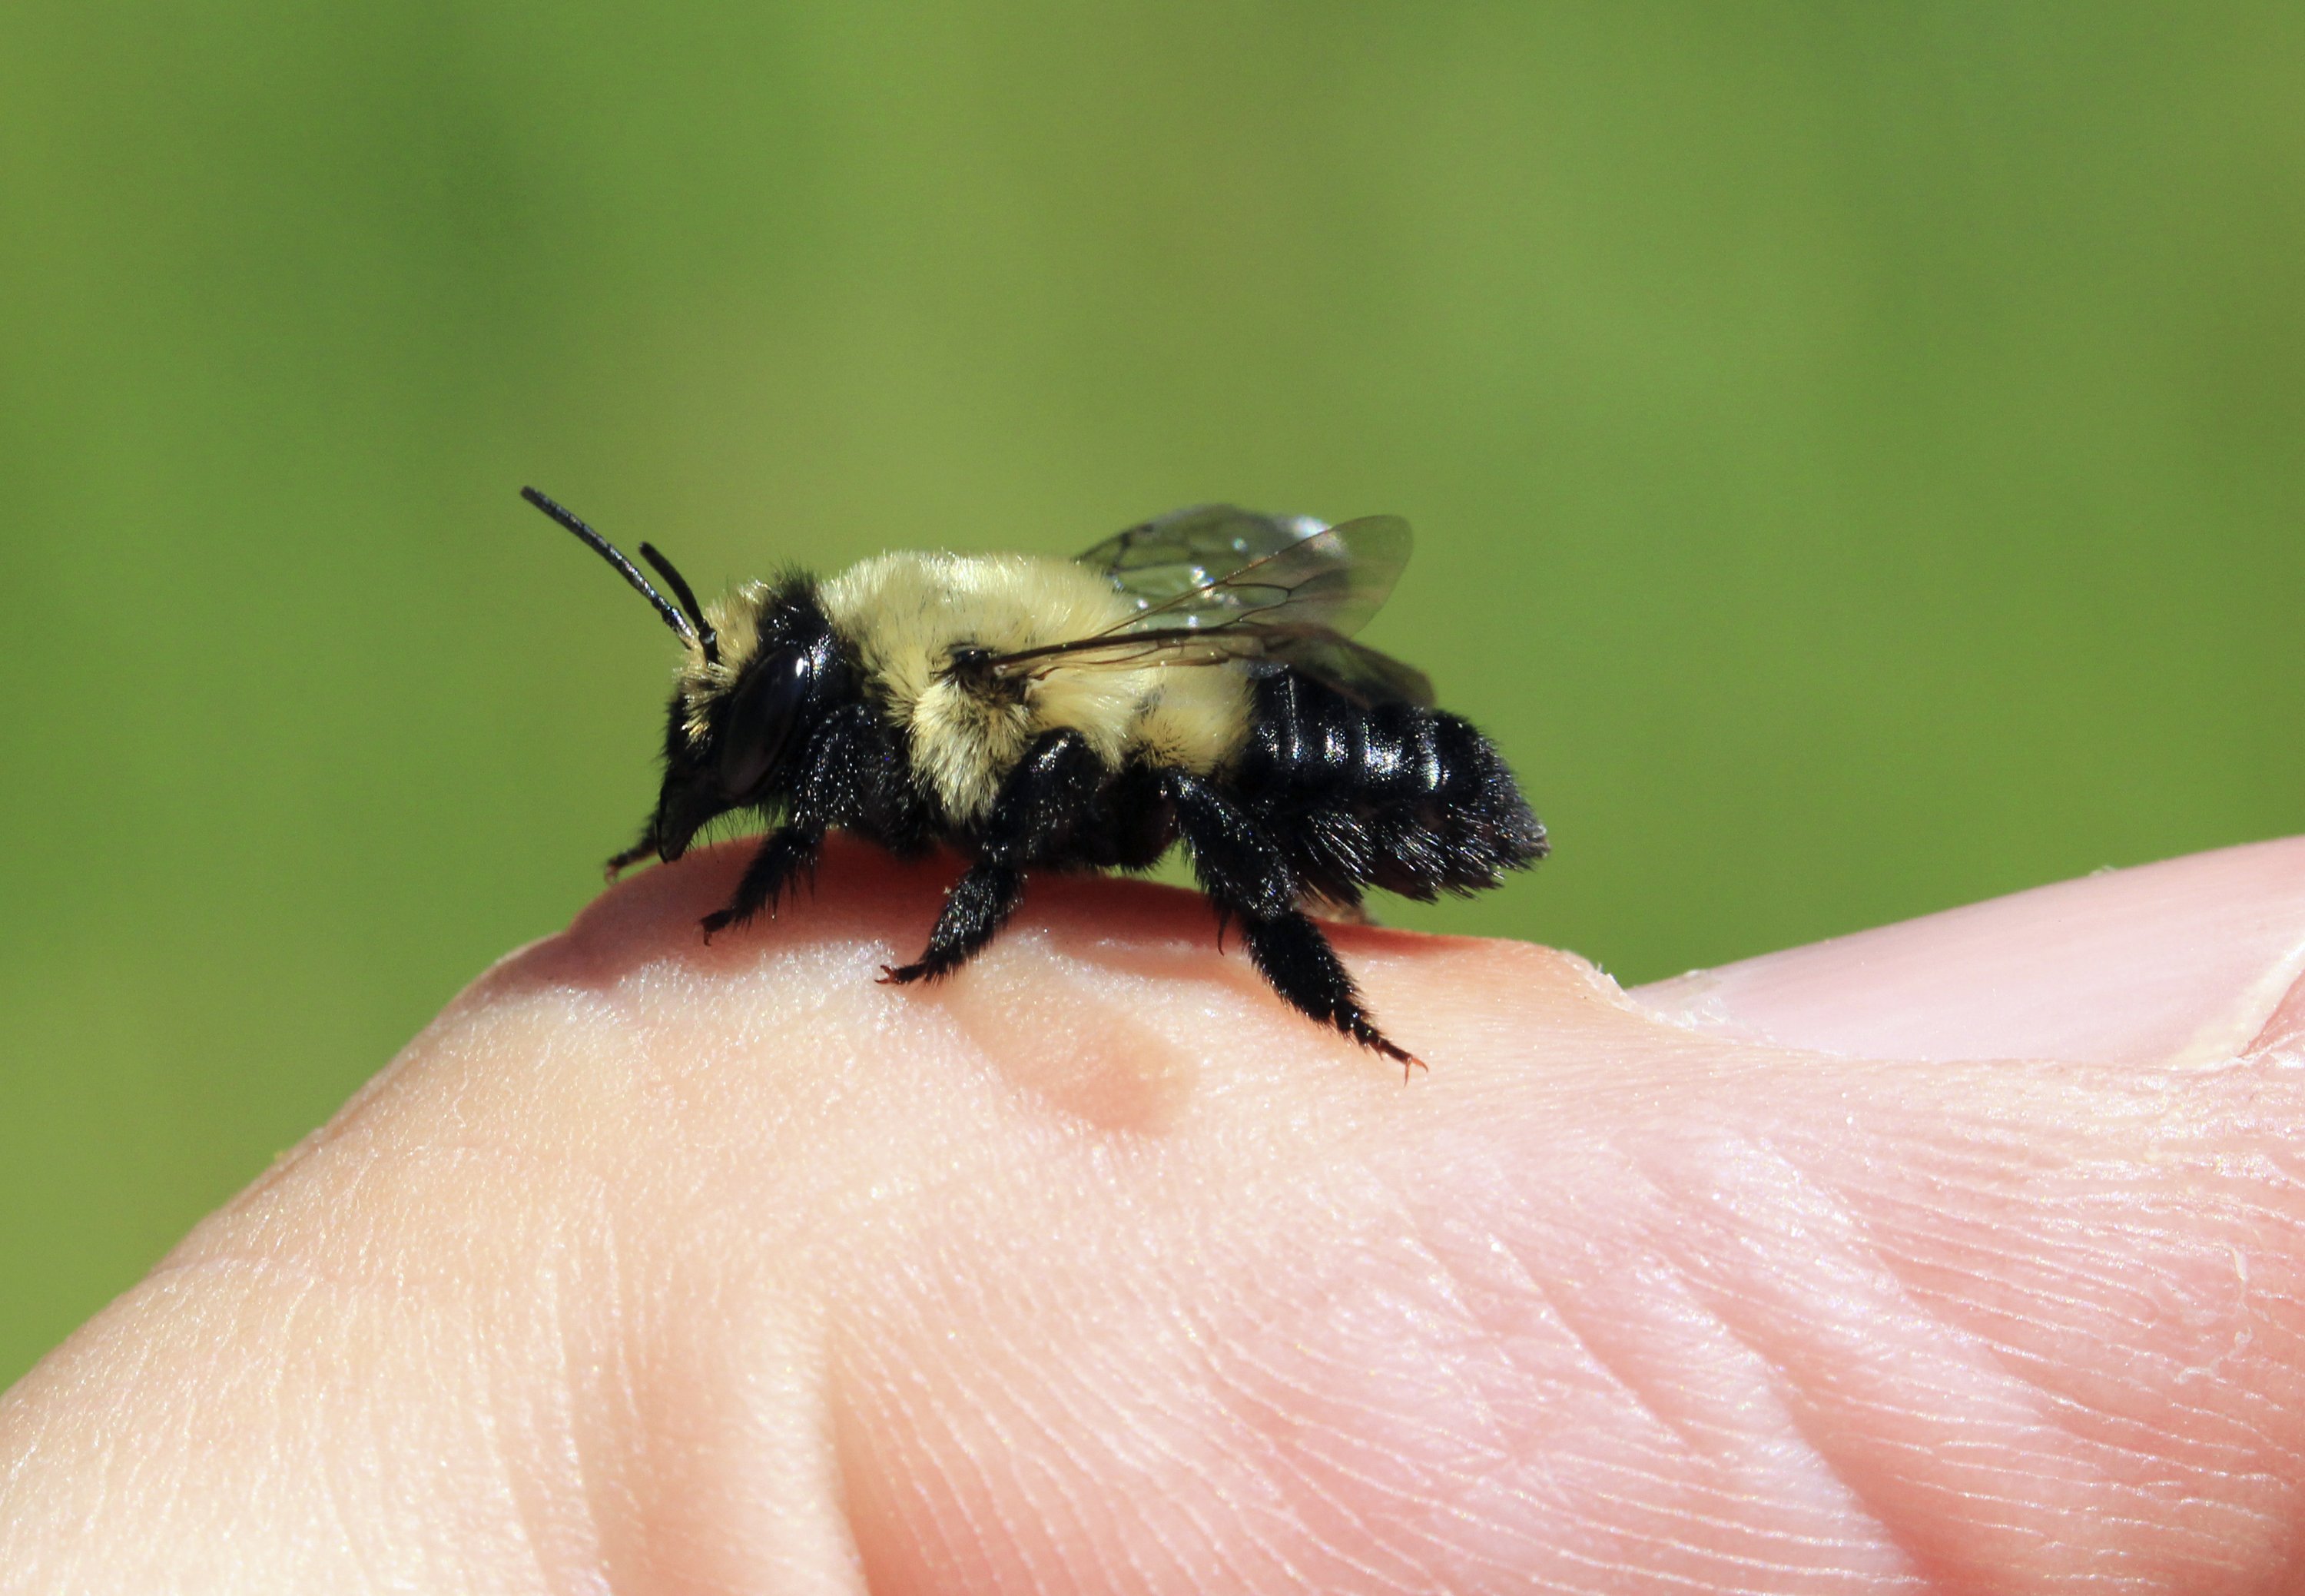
1963, 1255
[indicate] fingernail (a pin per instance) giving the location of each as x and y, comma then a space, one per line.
2191, 959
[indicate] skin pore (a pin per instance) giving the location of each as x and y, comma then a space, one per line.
1963, 1256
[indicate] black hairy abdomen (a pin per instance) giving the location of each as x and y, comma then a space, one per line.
1395, 796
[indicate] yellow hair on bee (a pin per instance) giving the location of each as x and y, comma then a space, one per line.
736, 619
906, 614
1195, 717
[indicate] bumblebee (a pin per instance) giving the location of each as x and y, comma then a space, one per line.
1193, 679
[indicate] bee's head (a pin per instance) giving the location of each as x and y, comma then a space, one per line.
738, 720
750, 692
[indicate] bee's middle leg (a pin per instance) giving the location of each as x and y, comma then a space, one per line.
973, 915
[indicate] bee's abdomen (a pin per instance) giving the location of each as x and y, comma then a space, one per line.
1395, 796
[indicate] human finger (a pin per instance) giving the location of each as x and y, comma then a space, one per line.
651, 1262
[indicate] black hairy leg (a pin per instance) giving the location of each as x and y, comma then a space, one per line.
1246, 875
1290, 952
971, 917
620, 863
785, 854
1039, 808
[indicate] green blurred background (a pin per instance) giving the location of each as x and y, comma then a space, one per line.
1858, 455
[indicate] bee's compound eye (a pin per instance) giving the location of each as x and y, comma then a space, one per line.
761, 715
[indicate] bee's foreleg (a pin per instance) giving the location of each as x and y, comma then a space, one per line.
788, 853
620, 863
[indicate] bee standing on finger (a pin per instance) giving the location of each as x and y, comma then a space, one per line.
1191, 680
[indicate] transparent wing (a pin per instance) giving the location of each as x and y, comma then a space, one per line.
1159, 559
1296, 605
1336, 578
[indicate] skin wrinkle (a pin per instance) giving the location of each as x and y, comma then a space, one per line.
1284, 1525
1665, 1502
1020, 1398
1424, 1263
849, 1471
839, 1521
2142, 1317
349, 1499
174, 1507
471, 1009
1130, 1550
1845, 1576
1154, 1439
1382, 1527
1150, 1534
619, 1411
833, 1449
2073, 1247
1802, 1421
1496, 1453
1215, 1539
1609, 1369
597, 1487
1202, 1341
327, 1477
1239, 1353
487, 1498
1847, 1506
2039, 1535
740, 1523
2029, 1363
1413, 1524
659, 1435
930, 1460
2167, 1402
561, 1547
1555, 1302
144, 1371
623, 1420
2138, 1317
384, 1177
1649, 1503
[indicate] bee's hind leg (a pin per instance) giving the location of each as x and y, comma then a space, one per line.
1246, 877
1290, 951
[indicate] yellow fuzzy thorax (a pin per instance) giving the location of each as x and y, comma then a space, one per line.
905, 614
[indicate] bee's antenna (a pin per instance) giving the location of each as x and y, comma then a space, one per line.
631, 573
706, 638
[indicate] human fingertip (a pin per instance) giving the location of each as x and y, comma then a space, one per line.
2181, 961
